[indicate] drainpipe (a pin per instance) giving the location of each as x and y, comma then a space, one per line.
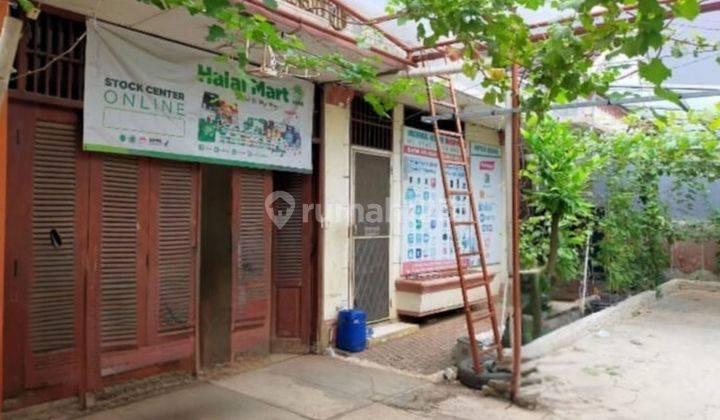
443, 69
516, 298
287, 16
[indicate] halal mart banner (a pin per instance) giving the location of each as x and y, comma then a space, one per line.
146, 96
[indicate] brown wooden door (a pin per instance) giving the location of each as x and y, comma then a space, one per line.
251, 239
123, 250
293, 266
46, 253
101, 259
173, 248
143, 240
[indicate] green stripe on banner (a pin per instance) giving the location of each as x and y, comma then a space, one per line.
90, 147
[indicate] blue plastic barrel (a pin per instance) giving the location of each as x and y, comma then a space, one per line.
351, 330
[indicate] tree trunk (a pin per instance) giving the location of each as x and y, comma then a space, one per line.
554, 243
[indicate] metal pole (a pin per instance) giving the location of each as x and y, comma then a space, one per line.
585, 274
578, 30
286, 16
598, 102
357, 15
516, 298
444, 69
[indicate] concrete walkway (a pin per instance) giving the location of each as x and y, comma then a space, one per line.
662, 361
316, 387
659, 360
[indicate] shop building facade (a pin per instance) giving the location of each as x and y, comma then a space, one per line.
360, 258
119, 266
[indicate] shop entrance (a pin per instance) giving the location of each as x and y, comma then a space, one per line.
371, 233
215, 266
371, 137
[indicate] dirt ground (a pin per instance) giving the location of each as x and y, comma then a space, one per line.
663, 362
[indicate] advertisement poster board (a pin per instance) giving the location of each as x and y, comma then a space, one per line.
151, 97
426, 237
487, 181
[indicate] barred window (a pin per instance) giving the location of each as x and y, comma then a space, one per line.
369, 129
44, 65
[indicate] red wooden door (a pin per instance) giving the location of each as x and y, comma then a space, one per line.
251, 239
101, 258
143, 241
173, 249
46, 253
293, 266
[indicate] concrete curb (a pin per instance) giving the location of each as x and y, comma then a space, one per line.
564, 336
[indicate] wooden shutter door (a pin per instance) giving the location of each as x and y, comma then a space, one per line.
173, 246
292, 268
252, 234
146, 215
117, 293
172, 263
46, 252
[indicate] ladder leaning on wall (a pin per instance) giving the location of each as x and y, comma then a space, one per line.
465, 276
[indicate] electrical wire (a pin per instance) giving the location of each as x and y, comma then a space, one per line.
70, 49
53, 61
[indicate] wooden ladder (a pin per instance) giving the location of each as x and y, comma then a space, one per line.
471, 317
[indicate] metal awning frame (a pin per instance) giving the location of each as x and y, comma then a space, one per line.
574, 105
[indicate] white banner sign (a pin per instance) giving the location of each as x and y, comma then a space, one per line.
487, 180
146, 96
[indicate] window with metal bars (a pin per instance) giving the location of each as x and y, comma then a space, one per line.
367, 128
45, 65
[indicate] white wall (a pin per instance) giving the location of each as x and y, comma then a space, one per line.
396, 206
336, 210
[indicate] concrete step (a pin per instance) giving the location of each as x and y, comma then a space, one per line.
391, 330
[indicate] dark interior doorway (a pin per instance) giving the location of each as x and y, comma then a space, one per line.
215, 266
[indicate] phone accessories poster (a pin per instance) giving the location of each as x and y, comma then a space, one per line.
426, 237
487, 181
